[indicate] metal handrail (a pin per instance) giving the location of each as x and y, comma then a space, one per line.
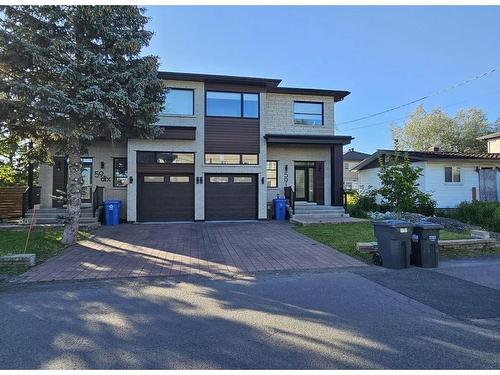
290, 197
97, 199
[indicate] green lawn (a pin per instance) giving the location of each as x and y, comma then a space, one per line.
44, 243
343, 237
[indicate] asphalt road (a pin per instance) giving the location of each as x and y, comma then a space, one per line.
354, 319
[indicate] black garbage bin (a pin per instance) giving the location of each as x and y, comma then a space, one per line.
394, 243
424, 245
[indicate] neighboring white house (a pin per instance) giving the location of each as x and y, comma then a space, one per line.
351, 159
450, 177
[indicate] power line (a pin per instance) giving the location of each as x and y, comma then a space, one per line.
439, 92
405, 117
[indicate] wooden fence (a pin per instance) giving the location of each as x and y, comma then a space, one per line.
11, 201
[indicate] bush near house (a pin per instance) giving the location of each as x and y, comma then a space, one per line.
483, 214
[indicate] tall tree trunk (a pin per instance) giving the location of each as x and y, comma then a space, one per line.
74, 193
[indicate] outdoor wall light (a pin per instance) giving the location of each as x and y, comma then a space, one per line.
262, 180
102, 165
286, 167
130, 180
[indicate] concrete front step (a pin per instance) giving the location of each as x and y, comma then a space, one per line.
320, 216
46, 220
318, 209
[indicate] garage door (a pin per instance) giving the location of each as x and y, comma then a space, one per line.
165, 197
230, 197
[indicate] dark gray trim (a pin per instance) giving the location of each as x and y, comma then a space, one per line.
338, 95
308, 139
214, 78
336, 175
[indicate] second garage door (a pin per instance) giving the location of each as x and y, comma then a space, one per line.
165, 197
230, 197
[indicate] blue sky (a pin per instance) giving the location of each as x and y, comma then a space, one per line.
385, 56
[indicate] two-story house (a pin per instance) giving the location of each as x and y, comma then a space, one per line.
228, 145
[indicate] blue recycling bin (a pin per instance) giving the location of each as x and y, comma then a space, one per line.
279, 208
112, 209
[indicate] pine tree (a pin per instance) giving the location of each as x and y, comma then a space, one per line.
72, 74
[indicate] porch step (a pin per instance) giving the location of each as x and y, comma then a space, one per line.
58, 215
318, 209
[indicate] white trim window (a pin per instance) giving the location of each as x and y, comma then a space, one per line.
452, 175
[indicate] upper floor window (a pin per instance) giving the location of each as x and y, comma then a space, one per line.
308, 113
179, 102
452, 174
232, 104
346, 166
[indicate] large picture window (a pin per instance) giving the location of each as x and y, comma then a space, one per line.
179, 102
119, 172
150, 157
232, 104
272, 173
308, 113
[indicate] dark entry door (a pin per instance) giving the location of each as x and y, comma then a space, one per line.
165, 197
230, 197
304, 181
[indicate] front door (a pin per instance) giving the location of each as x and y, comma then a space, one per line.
304, 181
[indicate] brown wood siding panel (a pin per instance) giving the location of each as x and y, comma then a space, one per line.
319, 182
234, 88
11, 201
176, 132
165, 168
59, 178
232, 135
337, 161
167, 201
230, 201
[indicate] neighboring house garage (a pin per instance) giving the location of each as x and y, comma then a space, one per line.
230, 196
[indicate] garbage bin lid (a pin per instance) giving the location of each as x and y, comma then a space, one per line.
112, 201
394, 223
428, 225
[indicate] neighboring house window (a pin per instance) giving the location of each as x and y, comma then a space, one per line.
149, 157
452, 174
346, 166
308, 113
179, 102
348, 185
232, 104
272, 173
232, 159
119, 172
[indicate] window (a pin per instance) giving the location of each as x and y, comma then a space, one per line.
148, 157
119, 172
179, 178
219, 179
308, 113
179, 102
272, 174
249, 159
346, 166
452, 174
232, 104
243, 180
232, 159
154, 178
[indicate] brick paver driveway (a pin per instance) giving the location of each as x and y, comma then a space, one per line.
204, 249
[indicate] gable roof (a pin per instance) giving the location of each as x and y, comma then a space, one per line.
372, 161
490, 136
271, 84
355, 155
